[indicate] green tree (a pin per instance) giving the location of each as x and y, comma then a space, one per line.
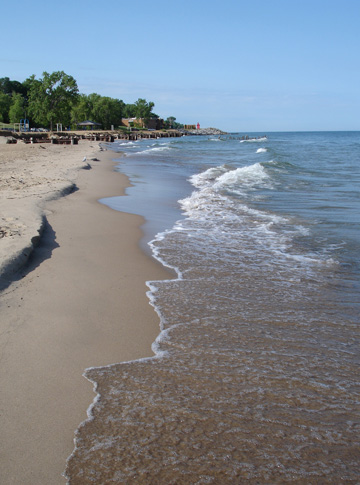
143, 110
82, 110
16, 111
129, 111
5, 103
170, 121
51, 98
101, 109
11, 93
9, 87
107, 111
117, 106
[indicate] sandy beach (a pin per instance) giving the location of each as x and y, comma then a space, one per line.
79, 300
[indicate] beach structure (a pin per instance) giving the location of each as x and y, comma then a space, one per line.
151, 124
84, 125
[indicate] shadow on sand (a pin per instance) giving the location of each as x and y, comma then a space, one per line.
42, 251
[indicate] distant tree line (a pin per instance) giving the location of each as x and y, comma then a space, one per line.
55, 98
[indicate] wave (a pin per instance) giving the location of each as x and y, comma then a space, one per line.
207, 177
236, 180
148, 151
261, 150
243, 178
154, 149
127, 143
224, 203
252, 140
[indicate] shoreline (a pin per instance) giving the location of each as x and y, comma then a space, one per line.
80, 302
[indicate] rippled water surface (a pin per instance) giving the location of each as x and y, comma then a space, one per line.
256, 373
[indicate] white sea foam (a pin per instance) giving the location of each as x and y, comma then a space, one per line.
128, 143
261, 150
252, 140
155, 149
244, 177
237, 180
159, 237
206, 178
203, 203
210, 207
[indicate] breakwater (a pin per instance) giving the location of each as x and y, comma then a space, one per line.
72, 137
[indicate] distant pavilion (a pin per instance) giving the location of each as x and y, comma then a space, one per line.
88, 125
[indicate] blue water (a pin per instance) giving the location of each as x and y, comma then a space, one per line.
308, 181
255, 374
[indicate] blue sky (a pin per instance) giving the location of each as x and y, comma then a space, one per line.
259, 65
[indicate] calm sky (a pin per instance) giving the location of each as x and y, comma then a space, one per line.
255, 65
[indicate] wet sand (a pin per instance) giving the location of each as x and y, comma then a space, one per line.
79, 302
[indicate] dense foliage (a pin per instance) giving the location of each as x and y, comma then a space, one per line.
52, 98
55, 98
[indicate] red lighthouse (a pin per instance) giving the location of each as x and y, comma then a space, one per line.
198, 126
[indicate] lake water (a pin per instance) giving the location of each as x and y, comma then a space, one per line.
256, 372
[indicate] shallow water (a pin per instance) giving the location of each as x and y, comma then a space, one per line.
256, 371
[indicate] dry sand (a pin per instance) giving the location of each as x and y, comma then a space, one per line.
79, 302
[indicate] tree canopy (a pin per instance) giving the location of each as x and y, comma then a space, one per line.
9, 87
55, 98
16, 111
143, 110
5, 103
102, 109
52, 98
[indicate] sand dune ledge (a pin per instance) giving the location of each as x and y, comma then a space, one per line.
31, 175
